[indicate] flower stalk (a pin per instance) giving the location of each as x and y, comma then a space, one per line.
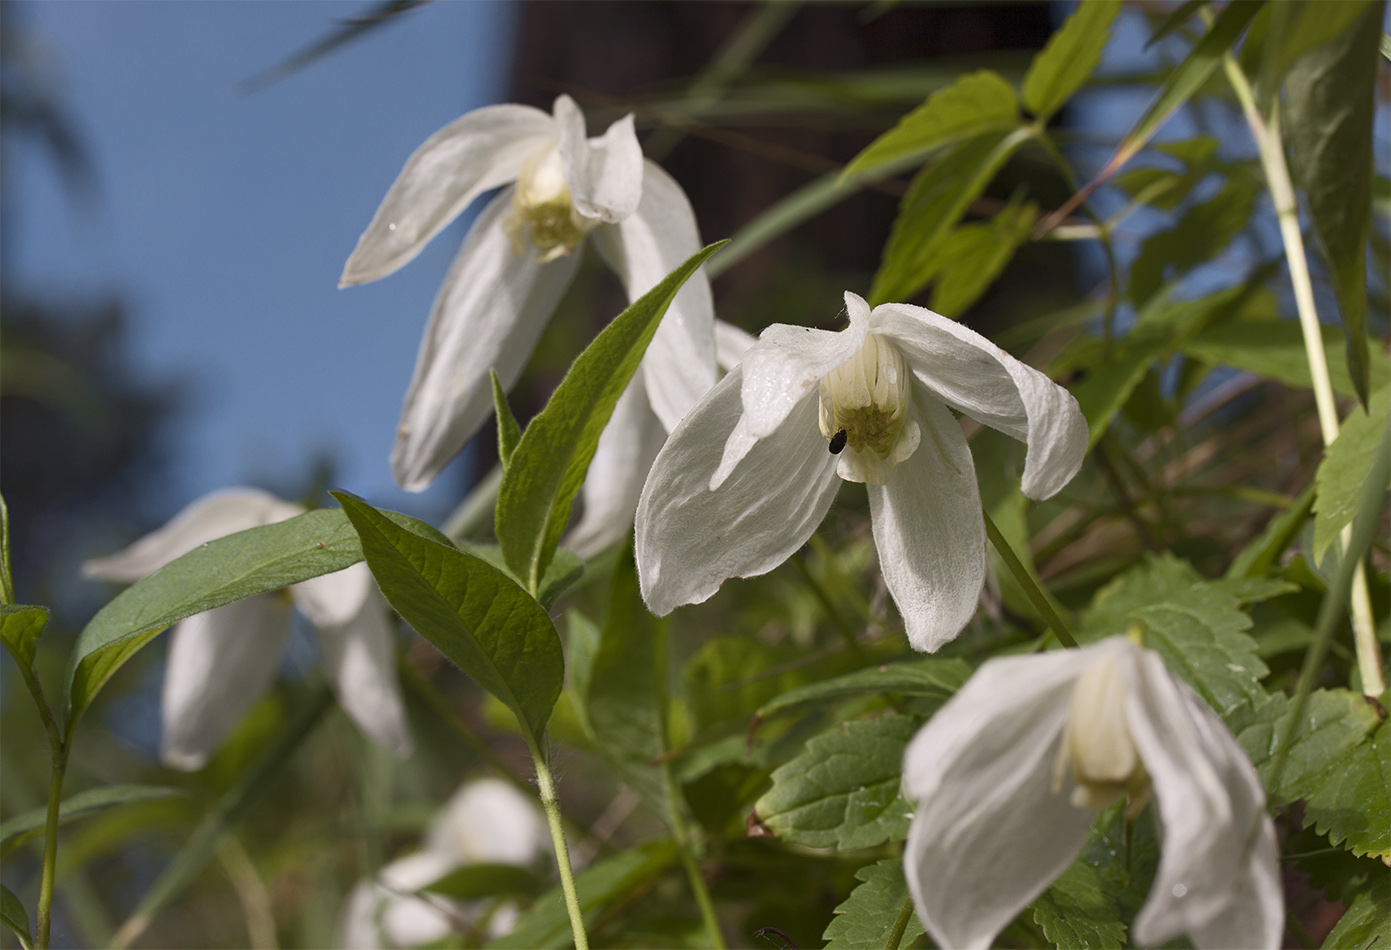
1021, 574
551, 804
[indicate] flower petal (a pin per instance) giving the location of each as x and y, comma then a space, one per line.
731, 343
614, 482
1217, 870
213, 516
360, 658
487, 821
929, 530
679, 367
974, 376
333, 599
488, 315
690, 539
220, 662
604, 174
476, 152
990, 834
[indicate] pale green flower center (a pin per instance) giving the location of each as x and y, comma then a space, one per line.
864, 412
1097, 748
542, 211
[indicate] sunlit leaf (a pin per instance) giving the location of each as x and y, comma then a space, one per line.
20, 628
508, 432
1346, 465
1069, 57
973, 255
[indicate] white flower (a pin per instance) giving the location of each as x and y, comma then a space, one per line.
221, 661
486, 822
749, 474
1009, 776
518, 259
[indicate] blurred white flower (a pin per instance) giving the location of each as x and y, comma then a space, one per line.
486, 822
1009, 776
221, 661
518, 258
751, 471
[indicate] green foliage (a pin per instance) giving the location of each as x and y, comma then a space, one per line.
867, 917
844, 790
508, 432
1330, 104
1069, 58
472, 612
13, 916
937, 677
14, 831
1346, 466
1262, 554
1366, 924
1274, 348
1078, 911
474, 881
1205, 231
973, 255
20, 629
565, 569
550, 461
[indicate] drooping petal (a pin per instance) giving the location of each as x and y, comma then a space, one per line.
604, 174
220, 662
731, 343
990, 834
976, 377
487, 821
333, 599
386, 912
690, 539
213, 516
616, 475
359, 656
488, 315
679, 367
1217, 869
476, 152
929, 530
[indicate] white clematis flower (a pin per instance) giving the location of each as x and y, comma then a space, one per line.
749, 474
1009, 776
221, 661
487, 821
518, 258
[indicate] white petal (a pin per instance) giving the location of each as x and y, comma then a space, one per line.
929, 530
336, 598
690, 539
787, 363
360, 658
220, 662
357, 920
679, 367
1217, 858
731, 343
974, 376
604, 174
989, 834
409, 921
476, 152
213, 516
616, 475
487, 821
488, 315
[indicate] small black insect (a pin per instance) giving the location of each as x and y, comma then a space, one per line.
837, 442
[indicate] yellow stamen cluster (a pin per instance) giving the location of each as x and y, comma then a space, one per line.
543, 214
1097, 748
867, 399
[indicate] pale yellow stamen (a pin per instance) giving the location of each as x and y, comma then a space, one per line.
543, 214
1097, 748
867, 398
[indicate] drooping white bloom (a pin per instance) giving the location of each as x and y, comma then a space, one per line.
749, 474
487, 821
518, 258
1009, 776
221, 661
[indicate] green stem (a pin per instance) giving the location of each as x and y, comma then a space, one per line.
6, 580
905, 914
551, 804
50, 848
1021, 574
683, 844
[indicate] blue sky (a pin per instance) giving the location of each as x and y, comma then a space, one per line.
224, 221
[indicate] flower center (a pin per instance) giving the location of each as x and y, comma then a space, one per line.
1097, 746
864, 412
542, 212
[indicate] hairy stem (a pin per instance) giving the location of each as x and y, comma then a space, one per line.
1026, 581
697, 880
551, 804
50, 848
905, 914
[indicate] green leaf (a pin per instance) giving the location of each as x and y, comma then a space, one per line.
546, 923
553, 455
937, 198
1330, 103
844, 790
1263, 553
474, 881
867, 917
1196, 625
975, 103
508, 432
472, 612
1068, 59
1181, 15
564, 570
973, 255
1205, 231
1078, 911
1365, 925
14, 830
1274, 348
20, 628
13, 916
232, 568
927, 676
1346, 465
